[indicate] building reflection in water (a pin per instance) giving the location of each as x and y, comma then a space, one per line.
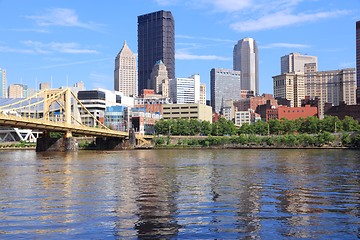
156, 189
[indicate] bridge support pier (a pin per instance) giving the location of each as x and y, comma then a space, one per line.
111, 143
48, 144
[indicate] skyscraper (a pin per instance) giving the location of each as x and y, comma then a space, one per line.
295, 62
125, 73
246, 60
2, 83
225, 85
185, 90
203, 93
159, 79
156, 41
16, 91
358, 61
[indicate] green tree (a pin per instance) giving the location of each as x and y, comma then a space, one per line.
350, 124
330, 124
274, 126
246, 129
310, 125
260, 127
205, 127
288, 126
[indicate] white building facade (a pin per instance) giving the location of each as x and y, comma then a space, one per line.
295, 62
185, 90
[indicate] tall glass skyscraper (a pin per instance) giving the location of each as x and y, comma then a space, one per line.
358, 61
225, 85
156, 41
246, 60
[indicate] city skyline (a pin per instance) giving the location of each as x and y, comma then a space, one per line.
63, 40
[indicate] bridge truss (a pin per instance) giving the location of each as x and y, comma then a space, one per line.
57, 110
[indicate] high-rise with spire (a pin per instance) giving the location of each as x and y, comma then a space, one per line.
125, 73
159, 79
156, 41
246, 60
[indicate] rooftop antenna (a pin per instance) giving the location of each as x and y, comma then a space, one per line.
51, 81
67, 80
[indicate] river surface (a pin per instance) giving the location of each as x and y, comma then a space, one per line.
180, 194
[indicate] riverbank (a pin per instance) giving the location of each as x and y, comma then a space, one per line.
323, 140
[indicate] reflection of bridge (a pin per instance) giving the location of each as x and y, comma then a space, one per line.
59, 110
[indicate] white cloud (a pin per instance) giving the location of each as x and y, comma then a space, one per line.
284, 45
183, 55
5, 49
256, 15
281, 19
62, 17
45, 48
166, 2
205, 38
230, 5
71, 63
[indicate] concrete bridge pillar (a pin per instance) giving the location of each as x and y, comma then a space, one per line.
65, 144
110, 143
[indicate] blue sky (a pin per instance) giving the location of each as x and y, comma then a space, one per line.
70, 41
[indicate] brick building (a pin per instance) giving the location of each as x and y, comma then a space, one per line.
291, 113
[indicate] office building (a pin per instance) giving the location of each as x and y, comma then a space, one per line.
295, 62
358, 61
246, 117
291, 113
246, 60
156, 41
203, 93
187, 111
159, 79
185, 90
125, 73
15, 91
334, 86
2, 83
252, 103
225, 85
44, 85
290, 86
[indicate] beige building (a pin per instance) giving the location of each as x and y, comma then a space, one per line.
332, 86
44, 85
125, 73
202, 93
159, 79
290, 86
187, 111
15, 91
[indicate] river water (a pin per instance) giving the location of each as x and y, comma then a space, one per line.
180, 194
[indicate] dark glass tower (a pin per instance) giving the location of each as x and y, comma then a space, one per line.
358, 62
156, 41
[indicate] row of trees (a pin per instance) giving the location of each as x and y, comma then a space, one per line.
288, 140
309, 125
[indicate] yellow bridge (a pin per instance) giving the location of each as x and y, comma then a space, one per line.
58, 110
